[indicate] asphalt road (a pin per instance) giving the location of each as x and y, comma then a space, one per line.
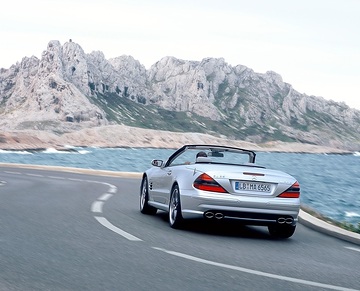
71, 231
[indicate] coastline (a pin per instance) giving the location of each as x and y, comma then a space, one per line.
115, 136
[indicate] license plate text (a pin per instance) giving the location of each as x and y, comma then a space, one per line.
248, 186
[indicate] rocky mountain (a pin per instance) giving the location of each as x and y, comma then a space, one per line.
68, 90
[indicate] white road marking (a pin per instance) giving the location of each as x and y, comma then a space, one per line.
96, 206
113, 228
112, 189
56, 177
105, 197
89, 181
354, 249
10, 172
34, 175
254, 272
74, 179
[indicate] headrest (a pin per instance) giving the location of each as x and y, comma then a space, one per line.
203, 160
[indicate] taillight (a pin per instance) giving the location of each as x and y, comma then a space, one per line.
206, 183
291, 192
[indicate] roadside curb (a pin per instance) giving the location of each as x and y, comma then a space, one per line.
327, 228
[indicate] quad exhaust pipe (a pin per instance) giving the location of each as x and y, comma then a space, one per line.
210, 215
219, 215
283, 220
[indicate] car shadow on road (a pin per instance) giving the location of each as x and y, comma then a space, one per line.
224, 227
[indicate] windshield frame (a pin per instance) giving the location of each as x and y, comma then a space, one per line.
212, 149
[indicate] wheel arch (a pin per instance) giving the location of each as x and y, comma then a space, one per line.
144, 175
175, 183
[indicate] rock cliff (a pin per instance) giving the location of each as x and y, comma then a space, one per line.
68, 90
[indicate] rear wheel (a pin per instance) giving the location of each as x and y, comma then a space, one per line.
175, 217
281, 231
144, 198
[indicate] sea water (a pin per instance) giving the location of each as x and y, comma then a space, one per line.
329, 183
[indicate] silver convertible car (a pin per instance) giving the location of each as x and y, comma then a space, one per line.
220, 182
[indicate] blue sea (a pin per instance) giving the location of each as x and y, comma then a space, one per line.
330, 183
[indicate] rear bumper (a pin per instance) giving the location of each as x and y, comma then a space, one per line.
247, 209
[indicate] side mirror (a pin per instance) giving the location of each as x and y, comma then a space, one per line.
157, 163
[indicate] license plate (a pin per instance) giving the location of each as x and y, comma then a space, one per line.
253, 186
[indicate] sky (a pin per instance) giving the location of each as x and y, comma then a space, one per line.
313, 44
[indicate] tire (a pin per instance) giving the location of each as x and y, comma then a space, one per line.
145, 208
281, 231
175, 217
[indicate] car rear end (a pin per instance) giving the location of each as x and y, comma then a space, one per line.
249, 194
